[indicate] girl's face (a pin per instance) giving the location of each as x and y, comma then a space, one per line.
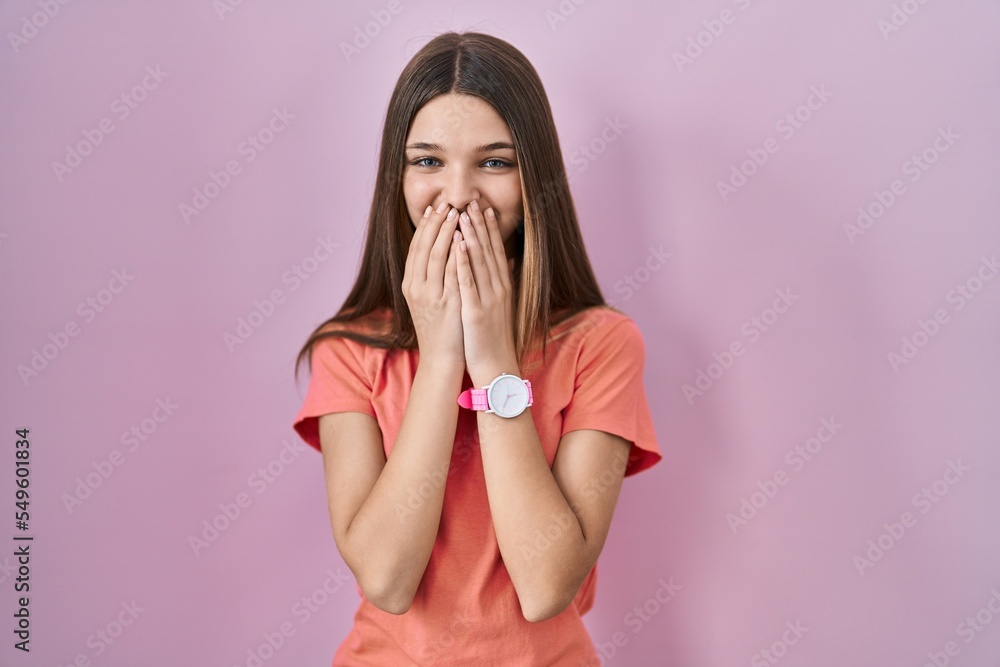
460, 149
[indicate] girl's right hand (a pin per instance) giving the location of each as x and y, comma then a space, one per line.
430, 286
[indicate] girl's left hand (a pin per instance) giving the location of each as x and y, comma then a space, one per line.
487, 297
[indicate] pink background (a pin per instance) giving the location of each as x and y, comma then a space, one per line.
651, 184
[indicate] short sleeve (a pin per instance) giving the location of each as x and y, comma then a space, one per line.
609, 394
337, 383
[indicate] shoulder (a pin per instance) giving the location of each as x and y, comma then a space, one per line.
375, 324
593, 336
377, 321
598, 323
340, 338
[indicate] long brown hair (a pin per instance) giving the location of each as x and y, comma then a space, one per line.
552, 276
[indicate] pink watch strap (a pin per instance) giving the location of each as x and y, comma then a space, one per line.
475, 399
465, 399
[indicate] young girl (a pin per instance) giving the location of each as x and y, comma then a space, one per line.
475, 400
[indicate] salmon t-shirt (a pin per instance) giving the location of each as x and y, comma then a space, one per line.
466, 611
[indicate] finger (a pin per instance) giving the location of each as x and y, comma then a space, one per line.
474, 254
408, 267
466, 281
483, 238
438, 256
496, 240
423, 216
451, 268
428, 234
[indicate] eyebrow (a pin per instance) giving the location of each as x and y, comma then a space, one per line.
486, 148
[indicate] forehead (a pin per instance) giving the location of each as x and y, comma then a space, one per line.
458, 122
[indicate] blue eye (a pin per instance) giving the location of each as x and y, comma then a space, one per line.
499, 164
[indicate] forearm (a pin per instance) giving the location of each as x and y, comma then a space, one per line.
393, 533
539, 534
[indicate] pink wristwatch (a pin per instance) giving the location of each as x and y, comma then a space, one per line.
507, 396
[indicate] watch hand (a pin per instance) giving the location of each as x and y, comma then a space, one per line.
505, 400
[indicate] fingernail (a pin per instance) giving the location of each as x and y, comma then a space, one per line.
428, 210
442, 206
474, 206
465, 218
452, 213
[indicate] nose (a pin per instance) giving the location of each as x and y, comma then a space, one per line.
460, 188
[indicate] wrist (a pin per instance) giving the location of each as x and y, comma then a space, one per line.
441, 368
483, 375
507, 394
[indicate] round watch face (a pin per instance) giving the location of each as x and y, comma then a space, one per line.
508, 396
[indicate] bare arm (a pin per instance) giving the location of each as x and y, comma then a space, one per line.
551, 524
384, 540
